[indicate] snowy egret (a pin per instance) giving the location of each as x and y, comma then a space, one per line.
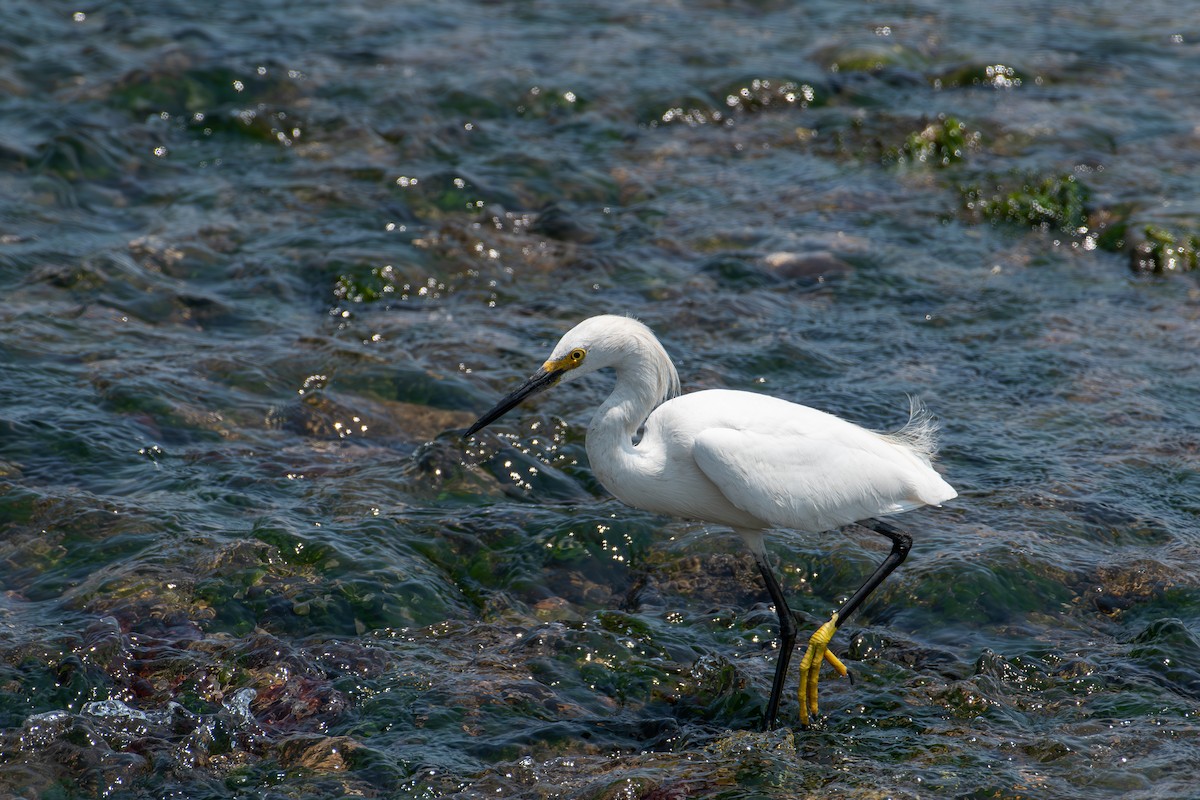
744, 460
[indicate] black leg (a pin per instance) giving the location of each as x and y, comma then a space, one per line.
817, 652
787, 638
901, 543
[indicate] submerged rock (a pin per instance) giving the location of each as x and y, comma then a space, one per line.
813, 264
318, 753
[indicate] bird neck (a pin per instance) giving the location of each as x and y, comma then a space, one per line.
645, 379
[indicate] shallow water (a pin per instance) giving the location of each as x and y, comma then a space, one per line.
262, 261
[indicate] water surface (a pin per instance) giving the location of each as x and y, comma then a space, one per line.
261, 262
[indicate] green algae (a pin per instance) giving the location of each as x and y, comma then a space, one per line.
941, 143
869, 57
1057, 202
259, 103
981, 74
1161, 250
187, 88
723, 103
758, 94
1063, 203
369, 285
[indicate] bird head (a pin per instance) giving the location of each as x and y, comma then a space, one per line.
595, 343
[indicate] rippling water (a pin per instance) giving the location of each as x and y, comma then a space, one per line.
262, 261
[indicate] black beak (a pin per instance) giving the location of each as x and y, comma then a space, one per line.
540, 381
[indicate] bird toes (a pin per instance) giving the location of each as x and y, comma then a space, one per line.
810, 668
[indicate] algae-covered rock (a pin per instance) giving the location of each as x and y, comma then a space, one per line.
1055, 202
869, 57
764, 93
260, 103
1062, 203
943, 142
1159, 250
750, 95
993, 75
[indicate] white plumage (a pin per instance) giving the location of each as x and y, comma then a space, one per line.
773, 464
741, 459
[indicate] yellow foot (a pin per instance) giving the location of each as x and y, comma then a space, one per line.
810, 667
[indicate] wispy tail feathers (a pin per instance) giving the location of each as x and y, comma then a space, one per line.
920, 433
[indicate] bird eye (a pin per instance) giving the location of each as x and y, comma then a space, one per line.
577, 355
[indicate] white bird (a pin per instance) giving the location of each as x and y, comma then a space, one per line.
744, 460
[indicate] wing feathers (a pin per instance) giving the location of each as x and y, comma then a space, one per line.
817, 479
